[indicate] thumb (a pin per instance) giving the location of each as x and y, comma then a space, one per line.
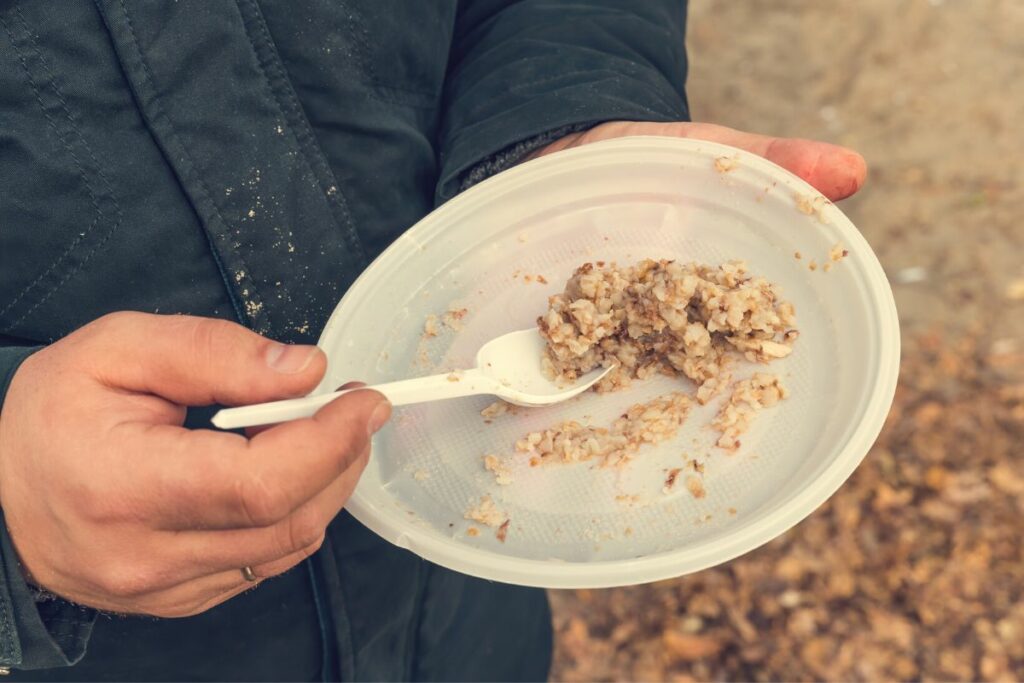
837, 172
197, 361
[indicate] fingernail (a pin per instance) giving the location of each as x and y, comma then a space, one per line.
289, 359
379, 416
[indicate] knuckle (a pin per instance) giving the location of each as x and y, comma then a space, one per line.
123, 580
205, 337
308, 550
167, 611
95, 506
178, 609
356, 467
115, 319
92, 334
357, 447
117, 322
33, 364
353, 438
262, 503
304, 528
278, 567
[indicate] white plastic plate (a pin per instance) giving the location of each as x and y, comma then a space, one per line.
582, 525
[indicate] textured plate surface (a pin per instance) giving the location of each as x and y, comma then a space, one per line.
581, 525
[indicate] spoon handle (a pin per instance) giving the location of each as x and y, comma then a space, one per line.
400, 393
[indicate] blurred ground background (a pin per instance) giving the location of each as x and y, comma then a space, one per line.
915, 568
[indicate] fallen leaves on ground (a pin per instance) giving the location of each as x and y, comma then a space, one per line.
913, 570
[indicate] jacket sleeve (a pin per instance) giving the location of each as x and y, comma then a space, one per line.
37, 630
519, 69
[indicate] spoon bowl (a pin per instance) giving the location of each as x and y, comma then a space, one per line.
513, 360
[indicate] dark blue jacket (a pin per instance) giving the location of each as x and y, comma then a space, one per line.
246, 159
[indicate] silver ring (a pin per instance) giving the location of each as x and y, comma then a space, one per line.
247, 573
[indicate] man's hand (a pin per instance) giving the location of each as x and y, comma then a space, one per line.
111, 503
837, 172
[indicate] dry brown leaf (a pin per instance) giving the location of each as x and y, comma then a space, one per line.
687, 647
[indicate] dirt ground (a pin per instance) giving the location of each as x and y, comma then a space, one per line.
914, 569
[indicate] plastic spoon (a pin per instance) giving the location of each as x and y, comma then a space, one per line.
507, 366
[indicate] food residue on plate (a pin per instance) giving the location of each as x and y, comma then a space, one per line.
430, 326
812, 205
748, 398
500, 468
656, 420
670, 479
529, 278
486, 512
452, 318
695, 486
497, 409
836, 254
725, 164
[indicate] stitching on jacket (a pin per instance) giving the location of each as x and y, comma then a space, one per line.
63, 141
401, 96
63, 281
118, 217
192, 170
10, 644
366, 66
597, 116
658, 95
541, 81
303, 136
562, 75
671, 107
